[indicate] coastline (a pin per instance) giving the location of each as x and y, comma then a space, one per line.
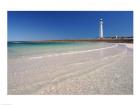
90, 72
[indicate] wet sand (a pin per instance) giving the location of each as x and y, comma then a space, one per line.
104, 71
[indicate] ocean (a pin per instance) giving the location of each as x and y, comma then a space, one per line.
29, 49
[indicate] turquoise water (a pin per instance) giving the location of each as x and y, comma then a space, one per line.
23, 49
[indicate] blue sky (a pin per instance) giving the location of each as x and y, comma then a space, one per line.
57, 25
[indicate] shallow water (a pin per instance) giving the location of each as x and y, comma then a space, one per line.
33, 49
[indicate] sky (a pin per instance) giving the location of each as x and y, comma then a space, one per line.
60, 25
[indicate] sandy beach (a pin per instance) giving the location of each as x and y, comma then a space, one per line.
103, 71
129, 45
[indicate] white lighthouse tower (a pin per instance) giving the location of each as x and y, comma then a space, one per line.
101, 33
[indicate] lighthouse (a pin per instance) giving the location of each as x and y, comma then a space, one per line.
101, 33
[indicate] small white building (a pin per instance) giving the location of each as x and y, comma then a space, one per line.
116, 37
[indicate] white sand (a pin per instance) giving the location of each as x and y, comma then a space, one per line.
105, 71
129, 45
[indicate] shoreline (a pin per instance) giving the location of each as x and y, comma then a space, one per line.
94, 72
128, 45
75, 52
